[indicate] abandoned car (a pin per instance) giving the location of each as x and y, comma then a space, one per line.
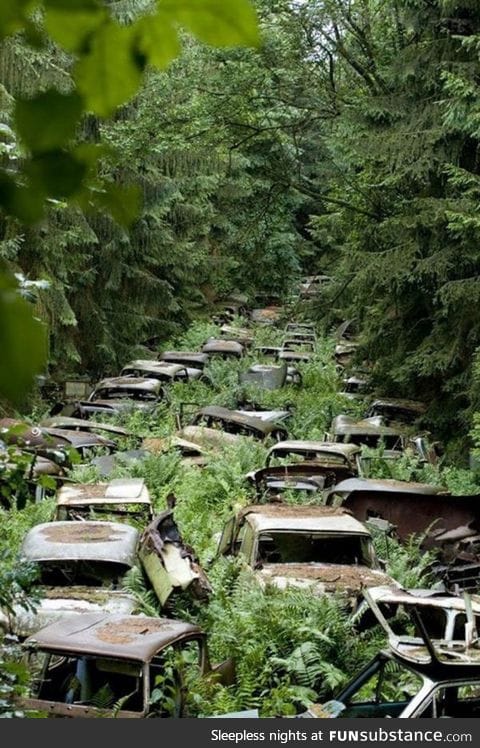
239, 334
355, 387
190, 359
343, 458
449, 524
433, 673
268, 315
311, 285
396, 411
123, 498
165, 372
306, 480
269, 377
119, 394
80, 424
95, 662
220, 348
345, 353
236, 423
51, 443
314, 547
82, 566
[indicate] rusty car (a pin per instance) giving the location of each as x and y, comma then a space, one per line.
120, 394
450, 525
396, 410
220, 348
64, 422
165, 372
370, 432
190, 359
269, 377
345, 353
122, 666
82, 567
268, 315
305, 480
311, 285
432, 673
239, 334
194, 453
120, 499
55, 445
355, 387
239, 424
341, 457
322, 549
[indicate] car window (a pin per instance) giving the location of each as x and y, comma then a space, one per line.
60, 573
88, 681
453, 701
384, 691
296, 547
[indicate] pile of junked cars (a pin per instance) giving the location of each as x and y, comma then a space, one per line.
309, 524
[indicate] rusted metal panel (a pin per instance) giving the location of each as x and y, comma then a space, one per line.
305, 476
161, 370
262, 375
405, 411
169, 563
123, 497
325, 453
134, 638
224, 348
79, 424
238, 423
93, 541
194, 359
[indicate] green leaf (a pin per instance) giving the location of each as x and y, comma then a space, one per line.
22, 342
56, 173
217, 22
71, 22
13, 15
110, 73
24, 203
48, 121
158, 40
122, 203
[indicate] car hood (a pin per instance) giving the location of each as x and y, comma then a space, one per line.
323, 578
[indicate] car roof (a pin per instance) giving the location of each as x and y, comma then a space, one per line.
136, 638
63, 422
242, 419
151, 365
118, 491
222, 345
350, 485
346, 450
415, 406
74, 541
129, 383
284, 517
343, 424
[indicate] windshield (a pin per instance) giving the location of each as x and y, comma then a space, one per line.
95, 682
382, 690
86, 573
123, 394
304, 548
